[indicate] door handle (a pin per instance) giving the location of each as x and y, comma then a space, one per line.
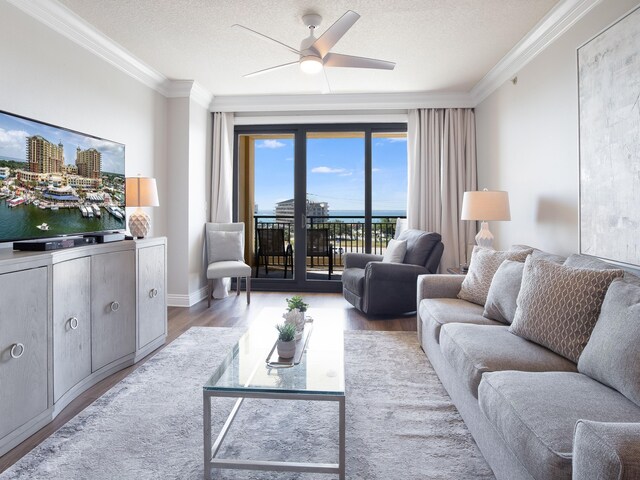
304, 221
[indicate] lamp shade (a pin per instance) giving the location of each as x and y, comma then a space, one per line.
485, 205
141, 192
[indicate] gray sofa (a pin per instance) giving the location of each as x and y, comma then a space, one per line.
377, 288
532, 414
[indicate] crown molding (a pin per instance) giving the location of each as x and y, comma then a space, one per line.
559, 19
339, 101
62, 20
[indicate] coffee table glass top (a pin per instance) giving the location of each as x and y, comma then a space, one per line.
320, 371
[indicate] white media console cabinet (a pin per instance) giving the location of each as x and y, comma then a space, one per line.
68, 319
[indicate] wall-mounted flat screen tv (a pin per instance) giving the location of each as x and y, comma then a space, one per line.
55, 181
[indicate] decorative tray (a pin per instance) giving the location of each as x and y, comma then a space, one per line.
273, 360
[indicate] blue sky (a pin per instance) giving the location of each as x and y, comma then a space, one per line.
335, 172
14, 131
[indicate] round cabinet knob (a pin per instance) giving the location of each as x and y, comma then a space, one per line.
114, 306
73, 323
17, 349
153, 293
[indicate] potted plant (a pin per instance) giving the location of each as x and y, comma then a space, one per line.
296, 302
295, 314
286, 340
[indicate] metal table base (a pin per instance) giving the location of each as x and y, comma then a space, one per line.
211, 450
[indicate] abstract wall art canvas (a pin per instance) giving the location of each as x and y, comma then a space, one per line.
609, 99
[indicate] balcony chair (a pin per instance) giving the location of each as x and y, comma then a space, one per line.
225, 255
271, 244
318, 246
379, 288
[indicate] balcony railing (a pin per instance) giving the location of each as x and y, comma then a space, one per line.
346, 234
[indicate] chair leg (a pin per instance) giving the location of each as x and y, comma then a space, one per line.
285, 266
257, 265
248, 280
238, 285
209, 292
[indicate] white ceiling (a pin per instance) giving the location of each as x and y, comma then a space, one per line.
438, 45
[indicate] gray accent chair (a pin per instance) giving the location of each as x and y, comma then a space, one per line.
378, 288
227, 268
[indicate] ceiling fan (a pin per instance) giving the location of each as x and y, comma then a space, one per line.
315, 53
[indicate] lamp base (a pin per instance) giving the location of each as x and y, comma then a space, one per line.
484, 238
139, 224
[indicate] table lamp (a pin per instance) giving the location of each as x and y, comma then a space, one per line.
485, 206
140, 192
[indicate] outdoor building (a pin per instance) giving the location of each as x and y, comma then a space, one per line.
89, 163
285, 210
4, 172
44, 156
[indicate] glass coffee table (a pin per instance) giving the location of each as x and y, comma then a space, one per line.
245, 373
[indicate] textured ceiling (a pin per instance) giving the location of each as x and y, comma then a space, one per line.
438, 45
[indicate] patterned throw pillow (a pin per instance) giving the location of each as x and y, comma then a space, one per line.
558, 306
483, 266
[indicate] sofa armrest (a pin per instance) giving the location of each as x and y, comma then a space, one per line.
438, 286
606, 450
393, 272
360, 260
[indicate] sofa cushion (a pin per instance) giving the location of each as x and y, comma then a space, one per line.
353, 280
586, 261
537, 253
420, 244
483, 265
473, 350
503, 292
558, 306
436, 312
612, 355
536, 413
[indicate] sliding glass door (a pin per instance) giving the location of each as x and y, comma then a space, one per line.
309, 194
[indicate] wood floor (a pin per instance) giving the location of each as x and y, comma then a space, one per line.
229, 312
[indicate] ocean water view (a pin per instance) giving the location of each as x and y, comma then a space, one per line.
22, 222
352, 216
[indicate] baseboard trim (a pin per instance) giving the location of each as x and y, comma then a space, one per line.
177, 300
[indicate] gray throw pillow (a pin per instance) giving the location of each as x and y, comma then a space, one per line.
224, 246
484, 264
503, 292
395, 251
612, 355
587, 261
558, 306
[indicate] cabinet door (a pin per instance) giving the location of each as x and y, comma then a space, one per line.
152, 308
71, 324
23, 334
113, 289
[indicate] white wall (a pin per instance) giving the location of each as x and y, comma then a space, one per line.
527, 138
47, 77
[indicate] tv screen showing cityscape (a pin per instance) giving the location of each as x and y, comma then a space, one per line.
55, 181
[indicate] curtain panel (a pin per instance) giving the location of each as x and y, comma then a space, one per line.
222, 182
442, 166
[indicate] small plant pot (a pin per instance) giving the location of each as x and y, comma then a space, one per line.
286, 349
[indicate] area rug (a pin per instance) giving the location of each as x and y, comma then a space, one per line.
401, 423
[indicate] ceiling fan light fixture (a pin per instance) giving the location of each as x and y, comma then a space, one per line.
310, 64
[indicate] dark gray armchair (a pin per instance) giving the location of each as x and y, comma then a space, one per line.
379, 288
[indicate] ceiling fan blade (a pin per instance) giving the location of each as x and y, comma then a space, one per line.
339, 60
269, 39
270, 69
327, 85
335, 32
